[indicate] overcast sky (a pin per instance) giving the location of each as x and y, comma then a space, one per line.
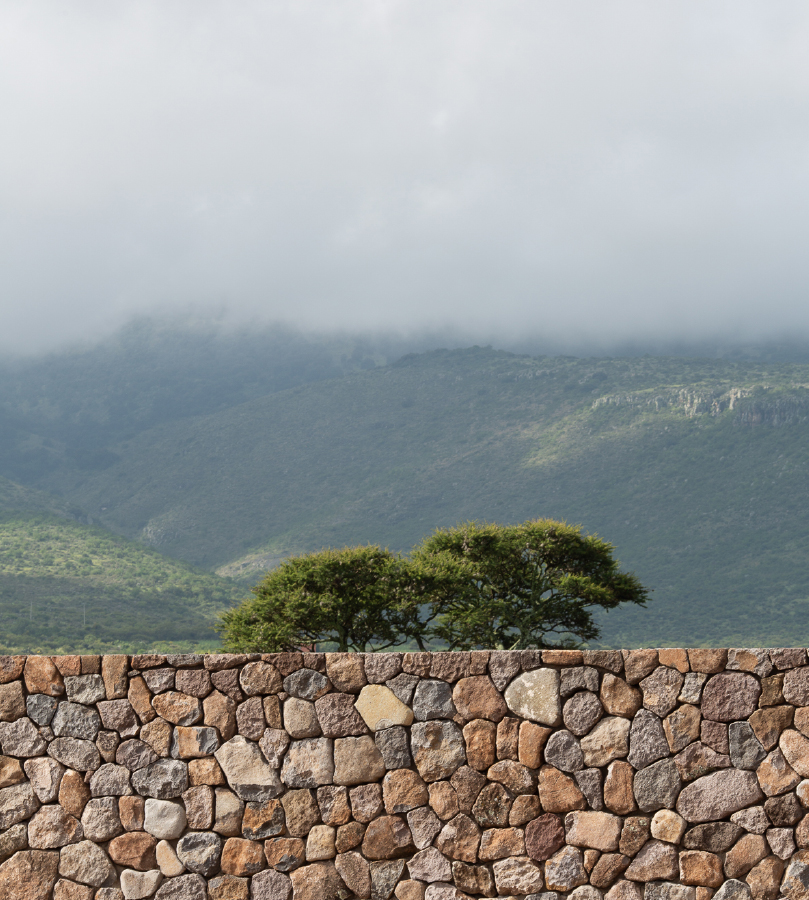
622, 169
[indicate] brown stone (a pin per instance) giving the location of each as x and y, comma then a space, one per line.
449, 666
707, 660
346, 672
796, 686
10, 771
611, 660
749, 850
51, 827
42, 677
558, 792
318, 881
334, 805
595, 830
501, 843
387, 837
140, 697
698, 760
682, 727
544, 836
524, 809
459, 839
775, 775
795, 748
366, 800
263, 819
29, 875
801, 719
767, 724
284, 854
381, 667
228, 810
467, 784
134, 850
177, 708
220, 712
638, 664
158, 734
508, 736
634, 834
698, 867
195, 682
301, 811
205, 771
242, 858
320, 843
772, 691
748, 659
148, 660
609, 740
227, 683
286, 663
199, 807
74, 793
607, 869
715, 736
656, 860
11, 668
12, 702
493, 806
416, 664
674, 657
349, 836
250, 718
476, 697
472, 879
619, 698
338, 717
114, 669
260, 678
228, 887
357, 760
443, 800
354, 871
514, 776
730, 696
272, 712
788, 657
765, 878
131, 811
531, 744
618, 795
70, 890
480, 739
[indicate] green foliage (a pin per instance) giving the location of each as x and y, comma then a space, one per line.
534, 585
358, 598
68, 588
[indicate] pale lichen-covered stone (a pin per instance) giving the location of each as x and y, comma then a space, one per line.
140, 885
164, 819
535, 696
380, 708
247, 771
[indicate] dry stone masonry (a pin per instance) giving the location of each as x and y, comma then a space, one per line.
589, 775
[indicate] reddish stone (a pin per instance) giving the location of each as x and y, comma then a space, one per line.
387, 837
134, 850
544, 836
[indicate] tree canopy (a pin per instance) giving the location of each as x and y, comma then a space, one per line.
476, 585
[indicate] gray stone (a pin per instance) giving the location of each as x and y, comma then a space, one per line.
668, 890
140, 885
424, 825
781, 841
119, 716
581, 712
163, 780
503, 666
41, 708
199, 852
100, 820
657, 786
518, 875
307, 684
268, 885
21, 738
717, 795
273, 744
308, 763
795, 885
193, 887
565, 870
403, 687
563, 751
578, 678
135, 754
159, 680
752, 819
429, 865
384, 876
661, 689
45, 775
647, 740
394, 746
247, 771
438, 749
691, 691
382, 667
589, 782
715, 837
300, 718
86, 689
735, 890
164, 819
76, 721
75, 753
745, 750
535, 695
13, 840
110, 780
17, 802
86, 863
433, 700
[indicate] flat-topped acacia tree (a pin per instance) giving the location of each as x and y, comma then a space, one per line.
476, 585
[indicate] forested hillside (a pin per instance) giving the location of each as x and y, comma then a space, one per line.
695, 469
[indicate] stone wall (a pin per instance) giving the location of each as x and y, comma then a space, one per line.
625, 775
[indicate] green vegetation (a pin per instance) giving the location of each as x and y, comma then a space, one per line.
697, 470
68, 587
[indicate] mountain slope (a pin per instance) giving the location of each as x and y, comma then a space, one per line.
696, 470
68, 587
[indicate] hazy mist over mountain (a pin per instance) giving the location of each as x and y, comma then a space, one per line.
588, 175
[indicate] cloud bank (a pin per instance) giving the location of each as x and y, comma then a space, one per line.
606, 170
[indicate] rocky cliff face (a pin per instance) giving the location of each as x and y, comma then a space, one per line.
671, 774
